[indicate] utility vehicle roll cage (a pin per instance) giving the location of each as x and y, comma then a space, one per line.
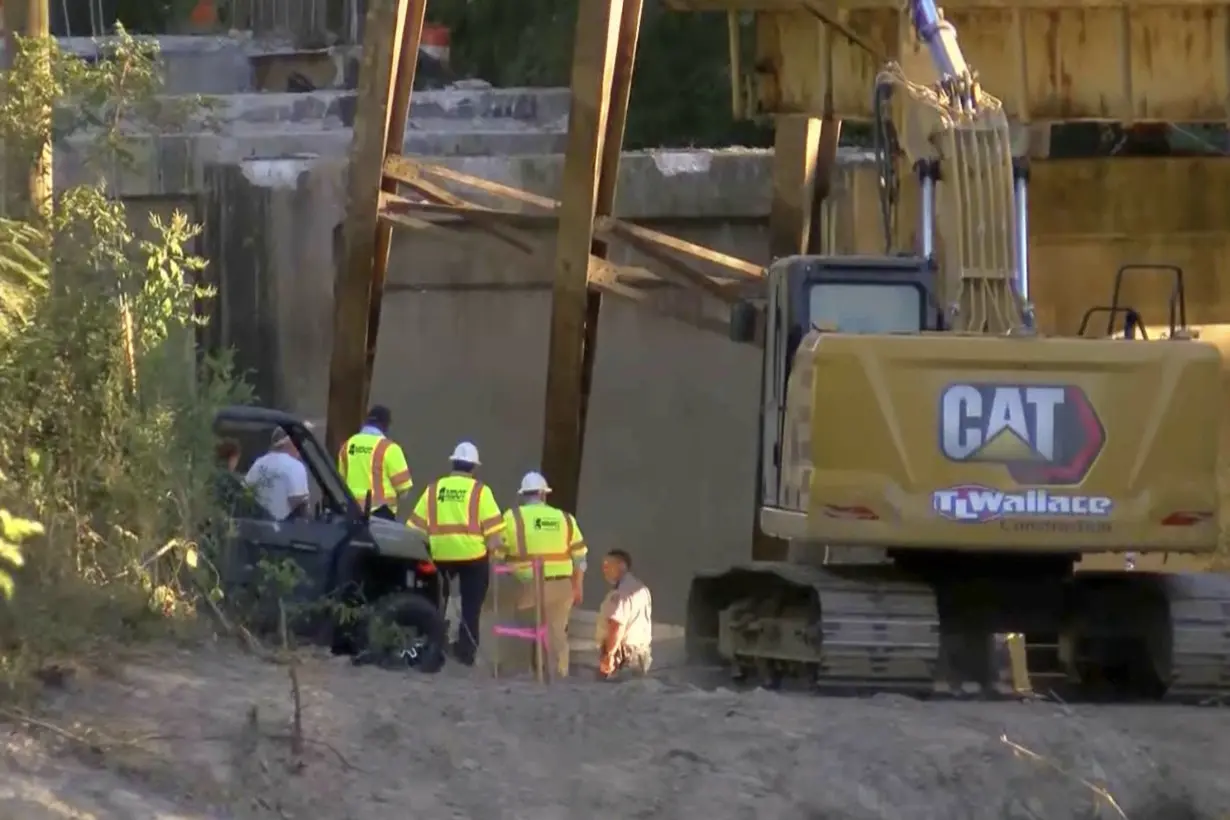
335, 495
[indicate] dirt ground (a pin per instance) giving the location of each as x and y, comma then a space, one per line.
206, 734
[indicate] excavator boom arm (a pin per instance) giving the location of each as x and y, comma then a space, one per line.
956, 80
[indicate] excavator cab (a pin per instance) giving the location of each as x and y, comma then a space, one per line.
842, 294
849, 294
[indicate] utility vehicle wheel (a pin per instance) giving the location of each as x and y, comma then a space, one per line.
404, 631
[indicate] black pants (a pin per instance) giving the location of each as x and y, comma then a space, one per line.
471, 579
383, 511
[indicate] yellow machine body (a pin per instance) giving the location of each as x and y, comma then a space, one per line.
939, 490
1001, 444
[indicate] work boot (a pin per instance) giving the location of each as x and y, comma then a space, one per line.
463, 653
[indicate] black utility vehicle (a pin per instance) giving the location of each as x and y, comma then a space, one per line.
380, 569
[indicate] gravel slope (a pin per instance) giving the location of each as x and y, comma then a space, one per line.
176, 739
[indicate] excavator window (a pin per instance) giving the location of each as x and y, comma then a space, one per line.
854, 294
856, 307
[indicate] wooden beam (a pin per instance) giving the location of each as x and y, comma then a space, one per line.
595, 50
411, 17
628, 32
609, 278
473, 213
353, 285
629, 231
493, 222
795, 145
822, 188
408, 170
683, 271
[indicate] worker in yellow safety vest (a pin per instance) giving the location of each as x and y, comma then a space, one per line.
462, 521
534, 531
372, 462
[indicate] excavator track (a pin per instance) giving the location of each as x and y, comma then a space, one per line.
882, 632
853, 630
1199, 607
848, 629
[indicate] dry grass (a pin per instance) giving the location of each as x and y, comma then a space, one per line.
60, 624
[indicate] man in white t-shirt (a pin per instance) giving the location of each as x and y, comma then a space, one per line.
279, 480
625, 619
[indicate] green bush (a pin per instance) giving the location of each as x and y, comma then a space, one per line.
105, 427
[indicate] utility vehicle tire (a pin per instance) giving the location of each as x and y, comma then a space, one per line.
421, 619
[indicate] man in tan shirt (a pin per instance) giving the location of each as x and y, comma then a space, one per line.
625, 619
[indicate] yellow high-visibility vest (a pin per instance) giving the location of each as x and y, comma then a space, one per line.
541, 532
458, 513
376, 463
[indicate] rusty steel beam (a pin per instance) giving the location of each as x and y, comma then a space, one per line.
352, 289
596, 49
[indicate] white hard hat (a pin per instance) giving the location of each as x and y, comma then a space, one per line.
534, 483
465, 451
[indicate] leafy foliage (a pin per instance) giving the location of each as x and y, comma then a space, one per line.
105, 431
13, 531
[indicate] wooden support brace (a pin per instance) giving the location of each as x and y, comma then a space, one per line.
804, 156
412, 14
630, 232
683, 271
408, 171
603, 35
479, 215
411, 172
352, 288
496, 223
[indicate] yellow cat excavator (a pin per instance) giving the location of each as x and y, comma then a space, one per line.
937, 467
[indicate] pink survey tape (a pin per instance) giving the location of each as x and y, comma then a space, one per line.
526, 633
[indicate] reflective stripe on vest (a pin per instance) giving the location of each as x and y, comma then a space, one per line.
373, 478
456, 541
554, 564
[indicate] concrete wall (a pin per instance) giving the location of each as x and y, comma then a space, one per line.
224, 64
488, 123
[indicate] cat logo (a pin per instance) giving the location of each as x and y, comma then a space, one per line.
1043, 434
